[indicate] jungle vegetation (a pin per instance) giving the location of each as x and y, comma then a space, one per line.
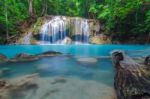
121, 18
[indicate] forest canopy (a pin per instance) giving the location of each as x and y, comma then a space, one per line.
123, 18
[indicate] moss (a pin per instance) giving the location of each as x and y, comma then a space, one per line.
37, 25
2, 60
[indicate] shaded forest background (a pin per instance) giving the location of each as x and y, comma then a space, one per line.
123, 19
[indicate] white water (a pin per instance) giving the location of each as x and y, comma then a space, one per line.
27, 38
81, 28
54, 30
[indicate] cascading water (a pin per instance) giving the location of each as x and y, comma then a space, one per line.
81, 31
27, 39
61, 30
54, 31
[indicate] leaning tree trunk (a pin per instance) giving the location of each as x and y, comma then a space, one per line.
30, 8
132, 80
44, 9
6, 20
32, 16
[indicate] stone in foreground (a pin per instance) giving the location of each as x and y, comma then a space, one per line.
132, 80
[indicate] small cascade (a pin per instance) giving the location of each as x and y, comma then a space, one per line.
81, 30
61, 30
54, 31
27, 39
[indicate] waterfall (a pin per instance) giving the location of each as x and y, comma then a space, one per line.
27, 39
54, 31
60, 30
81, 30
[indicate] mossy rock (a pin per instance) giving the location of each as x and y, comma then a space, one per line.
23, 57
3, 58
37, 25
50, 53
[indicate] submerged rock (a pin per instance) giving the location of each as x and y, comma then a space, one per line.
44, 68
2, 83
1, 73
5, 71
24, 57
139, 60
50, 53
17, 88
35, 87
59, 80
87, 60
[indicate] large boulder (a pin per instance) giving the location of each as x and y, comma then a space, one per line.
131, 78
94, 26
49, 53
67, 40
100, 39
147, 61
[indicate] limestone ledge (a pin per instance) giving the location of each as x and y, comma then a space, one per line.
94, 28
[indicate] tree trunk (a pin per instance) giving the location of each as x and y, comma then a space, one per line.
32, 15
148, 37
6, 20
132, 80
44, 10
30, 8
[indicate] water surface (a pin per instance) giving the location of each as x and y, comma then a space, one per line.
68, 76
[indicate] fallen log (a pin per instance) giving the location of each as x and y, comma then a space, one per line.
132, 80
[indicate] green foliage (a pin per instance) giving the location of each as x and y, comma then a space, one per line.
130, 17
37, 25
15, 11
147, 21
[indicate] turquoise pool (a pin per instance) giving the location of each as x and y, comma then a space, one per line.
78, 50
68, 76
